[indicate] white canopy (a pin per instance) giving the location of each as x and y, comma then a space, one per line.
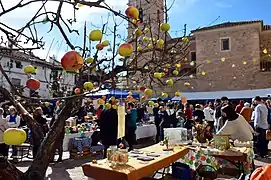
241, 94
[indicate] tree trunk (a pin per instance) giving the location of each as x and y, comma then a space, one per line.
38, 168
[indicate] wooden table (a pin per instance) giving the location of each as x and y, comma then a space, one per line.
135, 169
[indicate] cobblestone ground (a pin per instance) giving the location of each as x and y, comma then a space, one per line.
71, 169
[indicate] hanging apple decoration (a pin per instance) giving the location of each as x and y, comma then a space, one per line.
77, 91
157, 75
95, 35
148, 92
151, 103
145, 39
144, 98
100, 101
139, 48
170, 82
176, 72
89, 100
105, 43
156, 105
160, 42
72, 61
14, 136
187, 84
147, 30
88, 86
99, 47
126, 50
29, 69
132, 12
165, 27
33, 84
178, 94
150, 46
164, 95
89, 60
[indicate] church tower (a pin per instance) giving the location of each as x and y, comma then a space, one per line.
151, 13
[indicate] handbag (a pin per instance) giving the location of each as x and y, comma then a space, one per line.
268, 135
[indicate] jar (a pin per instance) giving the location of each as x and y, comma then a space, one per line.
123, 156
110, 153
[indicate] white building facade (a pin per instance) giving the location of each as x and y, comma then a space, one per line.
13, 64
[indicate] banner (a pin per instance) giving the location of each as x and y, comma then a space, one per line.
121, 121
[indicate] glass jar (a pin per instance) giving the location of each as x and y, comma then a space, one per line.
110, 153
123, 156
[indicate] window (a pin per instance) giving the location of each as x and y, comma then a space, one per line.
265, 65
16, 82
225, 44
19, 64
193, 56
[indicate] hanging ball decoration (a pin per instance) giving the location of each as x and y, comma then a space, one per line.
29, 69
176, 72
145, 39
265, 51
223, 59
77, 91
105, 43
244, 62
187, 84
208, 61
14, 136
178, 65
142, 88
192, 63
178, 94
130, 98
144, 98
89, 60
88, 86
46, 104
132, 12
164, 95
157, 75
99, 47
96, 35
100, 101
203, 73
72, 61
107, 106
33, 84
165, 27
170, 82
156, 105
148, 92
126, 50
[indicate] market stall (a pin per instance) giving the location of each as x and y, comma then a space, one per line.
134, 169
145, 131
73, 135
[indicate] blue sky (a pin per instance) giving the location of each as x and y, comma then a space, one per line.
194, 13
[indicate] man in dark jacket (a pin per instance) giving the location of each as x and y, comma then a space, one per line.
109, 128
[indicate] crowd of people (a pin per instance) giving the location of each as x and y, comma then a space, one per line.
243, 121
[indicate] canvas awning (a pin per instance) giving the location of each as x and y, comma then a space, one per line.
111, 92
240, 94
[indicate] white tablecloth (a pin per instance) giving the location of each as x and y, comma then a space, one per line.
69, 136
145, 131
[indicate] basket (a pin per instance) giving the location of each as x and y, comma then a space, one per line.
206, 172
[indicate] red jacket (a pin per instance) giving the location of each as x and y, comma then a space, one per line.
188, 113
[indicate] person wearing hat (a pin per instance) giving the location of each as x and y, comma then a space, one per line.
13, 121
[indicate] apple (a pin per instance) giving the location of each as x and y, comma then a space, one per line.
165, 27
77, 91
163, 74
156, 105
150, 46
160, 42
178, 65
126, 50
96, 35
138, 32
72, 61
147, 30
33, 84
139, 48
14, 136
89, 60
164, 95
148, 92
29, 69
135, 22
176, 72
185, 39
105, 43
178, 94
157, 75
143, 98
142, 88
99, 47
170, 82
132, 12
88, 86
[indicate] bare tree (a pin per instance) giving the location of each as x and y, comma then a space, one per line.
154, 52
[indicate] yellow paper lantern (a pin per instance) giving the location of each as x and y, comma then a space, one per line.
157, 75
95, 35
14, 136
29, 69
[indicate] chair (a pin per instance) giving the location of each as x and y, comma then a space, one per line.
24, 151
